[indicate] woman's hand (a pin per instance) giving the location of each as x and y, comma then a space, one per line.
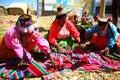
104, 50
60, 49
21, 63
52, 59
78, 40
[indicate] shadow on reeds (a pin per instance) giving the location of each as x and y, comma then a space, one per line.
41, 29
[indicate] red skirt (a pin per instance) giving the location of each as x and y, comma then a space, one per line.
99, 42
6, 54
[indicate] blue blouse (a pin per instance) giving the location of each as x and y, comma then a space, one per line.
111, 34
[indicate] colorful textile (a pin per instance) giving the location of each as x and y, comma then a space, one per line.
88, 61
10, 70
81, 60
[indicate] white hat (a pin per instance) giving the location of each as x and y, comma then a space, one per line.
104, 19
60, 11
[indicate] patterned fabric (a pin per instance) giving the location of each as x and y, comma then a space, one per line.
10, 70
82, 60
88, 61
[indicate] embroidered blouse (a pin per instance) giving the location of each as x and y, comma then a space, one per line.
55, 30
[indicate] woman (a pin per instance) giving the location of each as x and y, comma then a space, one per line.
74, 18
86, 18
20, 39
105, 36
62, 32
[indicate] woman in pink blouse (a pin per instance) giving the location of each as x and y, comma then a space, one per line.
62, 32
20, 39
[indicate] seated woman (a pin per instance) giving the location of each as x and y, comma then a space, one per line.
86, 18
20, 39
105, 36
74, 18
62, 32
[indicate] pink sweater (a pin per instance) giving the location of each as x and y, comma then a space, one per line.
13, 41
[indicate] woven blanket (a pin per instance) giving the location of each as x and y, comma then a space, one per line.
11, 70
81, 60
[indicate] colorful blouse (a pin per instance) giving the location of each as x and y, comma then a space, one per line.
55, 30
13, 41
111, 34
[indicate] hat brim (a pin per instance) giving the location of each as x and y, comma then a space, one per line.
103, 19
61, 13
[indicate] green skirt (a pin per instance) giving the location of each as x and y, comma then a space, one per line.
64, 43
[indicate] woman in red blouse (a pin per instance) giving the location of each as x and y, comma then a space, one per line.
62, 32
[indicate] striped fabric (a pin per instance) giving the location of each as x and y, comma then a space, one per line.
11, 71
88, 61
